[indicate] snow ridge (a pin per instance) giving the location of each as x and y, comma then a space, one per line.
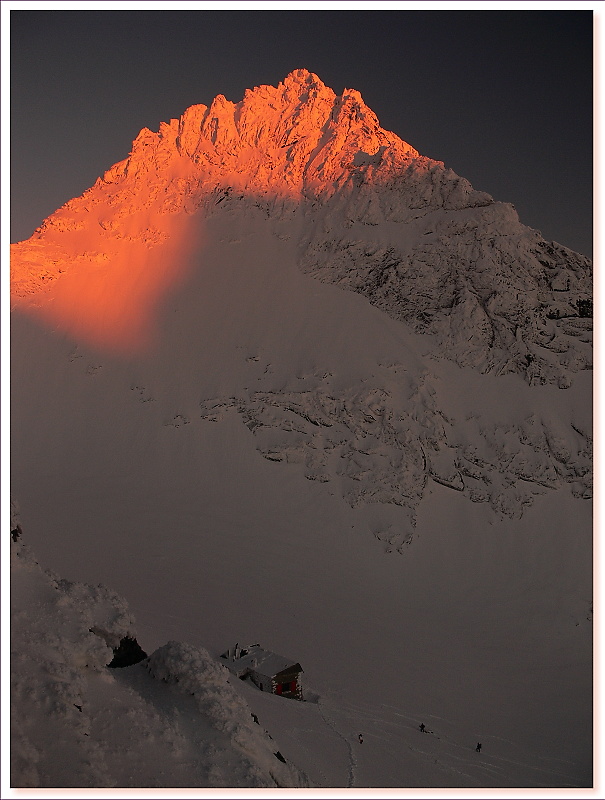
68, 709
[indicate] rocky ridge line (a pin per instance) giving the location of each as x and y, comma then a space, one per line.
378, 219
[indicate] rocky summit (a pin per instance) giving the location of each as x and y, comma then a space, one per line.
378, 218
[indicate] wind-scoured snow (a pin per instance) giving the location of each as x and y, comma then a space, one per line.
390, 483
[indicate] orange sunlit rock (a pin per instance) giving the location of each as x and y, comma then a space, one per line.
109, 286
99, 267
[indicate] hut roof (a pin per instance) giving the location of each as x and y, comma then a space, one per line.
265, 662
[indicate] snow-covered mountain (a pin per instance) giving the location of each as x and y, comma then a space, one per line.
395, 475
445, 258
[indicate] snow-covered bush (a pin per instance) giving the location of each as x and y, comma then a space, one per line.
193, 671
75, 723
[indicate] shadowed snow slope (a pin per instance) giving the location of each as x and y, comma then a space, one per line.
173, 720
391, 484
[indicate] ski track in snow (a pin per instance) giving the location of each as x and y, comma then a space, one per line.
296, 733
454, 757
330, 722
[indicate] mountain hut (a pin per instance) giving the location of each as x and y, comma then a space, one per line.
269, 671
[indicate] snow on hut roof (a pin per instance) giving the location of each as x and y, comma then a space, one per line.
264, 661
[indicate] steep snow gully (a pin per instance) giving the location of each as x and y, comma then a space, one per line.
276, 377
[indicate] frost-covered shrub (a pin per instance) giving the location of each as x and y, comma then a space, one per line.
193, 671
198, 674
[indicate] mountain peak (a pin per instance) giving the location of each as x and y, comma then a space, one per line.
299, 144
297, 138
302, 77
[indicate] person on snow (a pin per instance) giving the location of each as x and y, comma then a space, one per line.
478, 748
360, 739
422, 727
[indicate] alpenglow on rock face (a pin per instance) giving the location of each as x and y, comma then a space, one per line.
353, 205
455, 263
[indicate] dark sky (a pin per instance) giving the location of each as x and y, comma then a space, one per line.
504, 98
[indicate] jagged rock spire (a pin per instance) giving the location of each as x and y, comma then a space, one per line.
457, 264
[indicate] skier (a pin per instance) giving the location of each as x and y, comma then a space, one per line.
478, 748
422, 726
360, 739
